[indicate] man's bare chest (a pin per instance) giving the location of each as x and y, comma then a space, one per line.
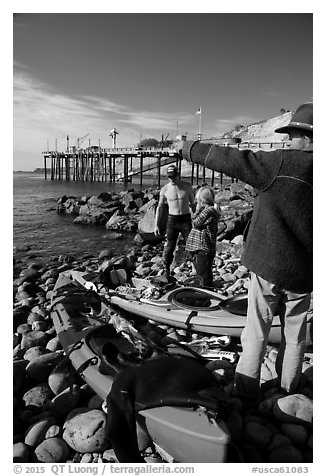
174, 193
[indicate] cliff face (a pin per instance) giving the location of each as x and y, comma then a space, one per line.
259, 132
262, 131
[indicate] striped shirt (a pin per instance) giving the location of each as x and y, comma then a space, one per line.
202, 236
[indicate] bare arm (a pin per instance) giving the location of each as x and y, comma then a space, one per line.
192, 203
160, 204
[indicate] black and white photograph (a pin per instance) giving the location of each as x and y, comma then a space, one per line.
162, 233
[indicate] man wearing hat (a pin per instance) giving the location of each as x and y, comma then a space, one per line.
179, 196
277, 247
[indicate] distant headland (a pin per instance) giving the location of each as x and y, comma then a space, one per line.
38, 170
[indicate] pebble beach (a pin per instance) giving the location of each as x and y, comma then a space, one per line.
59, 418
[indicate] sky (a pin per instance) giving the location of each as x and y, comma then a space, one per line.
146, 74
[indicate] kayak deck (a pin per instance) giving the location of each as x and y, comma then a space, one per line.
188, 435
220, 317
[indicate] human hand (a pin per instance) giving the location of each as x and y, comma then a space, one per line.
217, 207
179, 147
156, 230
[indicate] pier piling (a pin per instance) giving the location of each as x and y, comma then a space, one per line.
99, 164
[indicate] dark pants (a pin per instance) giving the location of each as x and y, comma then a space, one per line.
203, 262
176, 224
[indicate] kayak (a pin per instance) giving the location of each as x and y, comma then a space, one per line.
197, 310
186, 434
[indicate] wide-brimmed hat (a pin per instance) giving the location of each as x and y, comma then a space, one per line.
302, 119
172, 171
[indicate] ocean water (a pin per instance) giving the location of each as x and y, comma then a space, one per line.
36, 223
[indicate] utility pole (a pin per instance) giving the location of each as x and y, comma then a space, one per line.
113, 134
200, 131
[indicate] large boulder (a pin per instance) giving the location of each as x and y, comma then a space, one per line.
62, 377
66, 400
38, 397
257, 434
50, 273
33, 339
19, 316
28, 274
54, 344
35, 352
285, 454
234, 423
84, 210
105, 197
266, 406
72, 206
34, 317
52, 450
106, 253
127, 198
95, 201
148, 238
147, 221
35, 434
298, 434
19, 376
86, 432
117, 221
40, 368
294, 409
20, 453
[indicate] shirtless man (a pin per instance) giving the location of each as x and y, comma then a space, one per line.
179, 196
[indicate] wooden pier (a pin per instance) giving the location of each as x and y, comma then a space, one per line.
122, 164
102, 165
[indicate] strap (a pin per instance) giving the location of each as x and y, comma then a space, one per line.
76, 346
188, 323
87, 363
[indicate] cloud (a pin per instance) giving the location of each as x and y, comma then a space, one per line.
104, 105
39, 108
150, 120
43, 115
140, 119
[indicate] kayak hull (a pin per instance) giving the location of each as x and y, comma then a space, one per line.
187, 435
217, 320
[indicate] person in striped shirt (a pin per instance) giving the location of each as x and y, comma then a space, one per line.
201, 241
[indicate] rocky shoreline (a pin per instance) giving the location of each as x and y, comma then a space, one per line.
134, 211
58, 418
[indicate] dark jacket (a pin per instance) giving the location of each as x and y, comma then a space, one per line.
278, 246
